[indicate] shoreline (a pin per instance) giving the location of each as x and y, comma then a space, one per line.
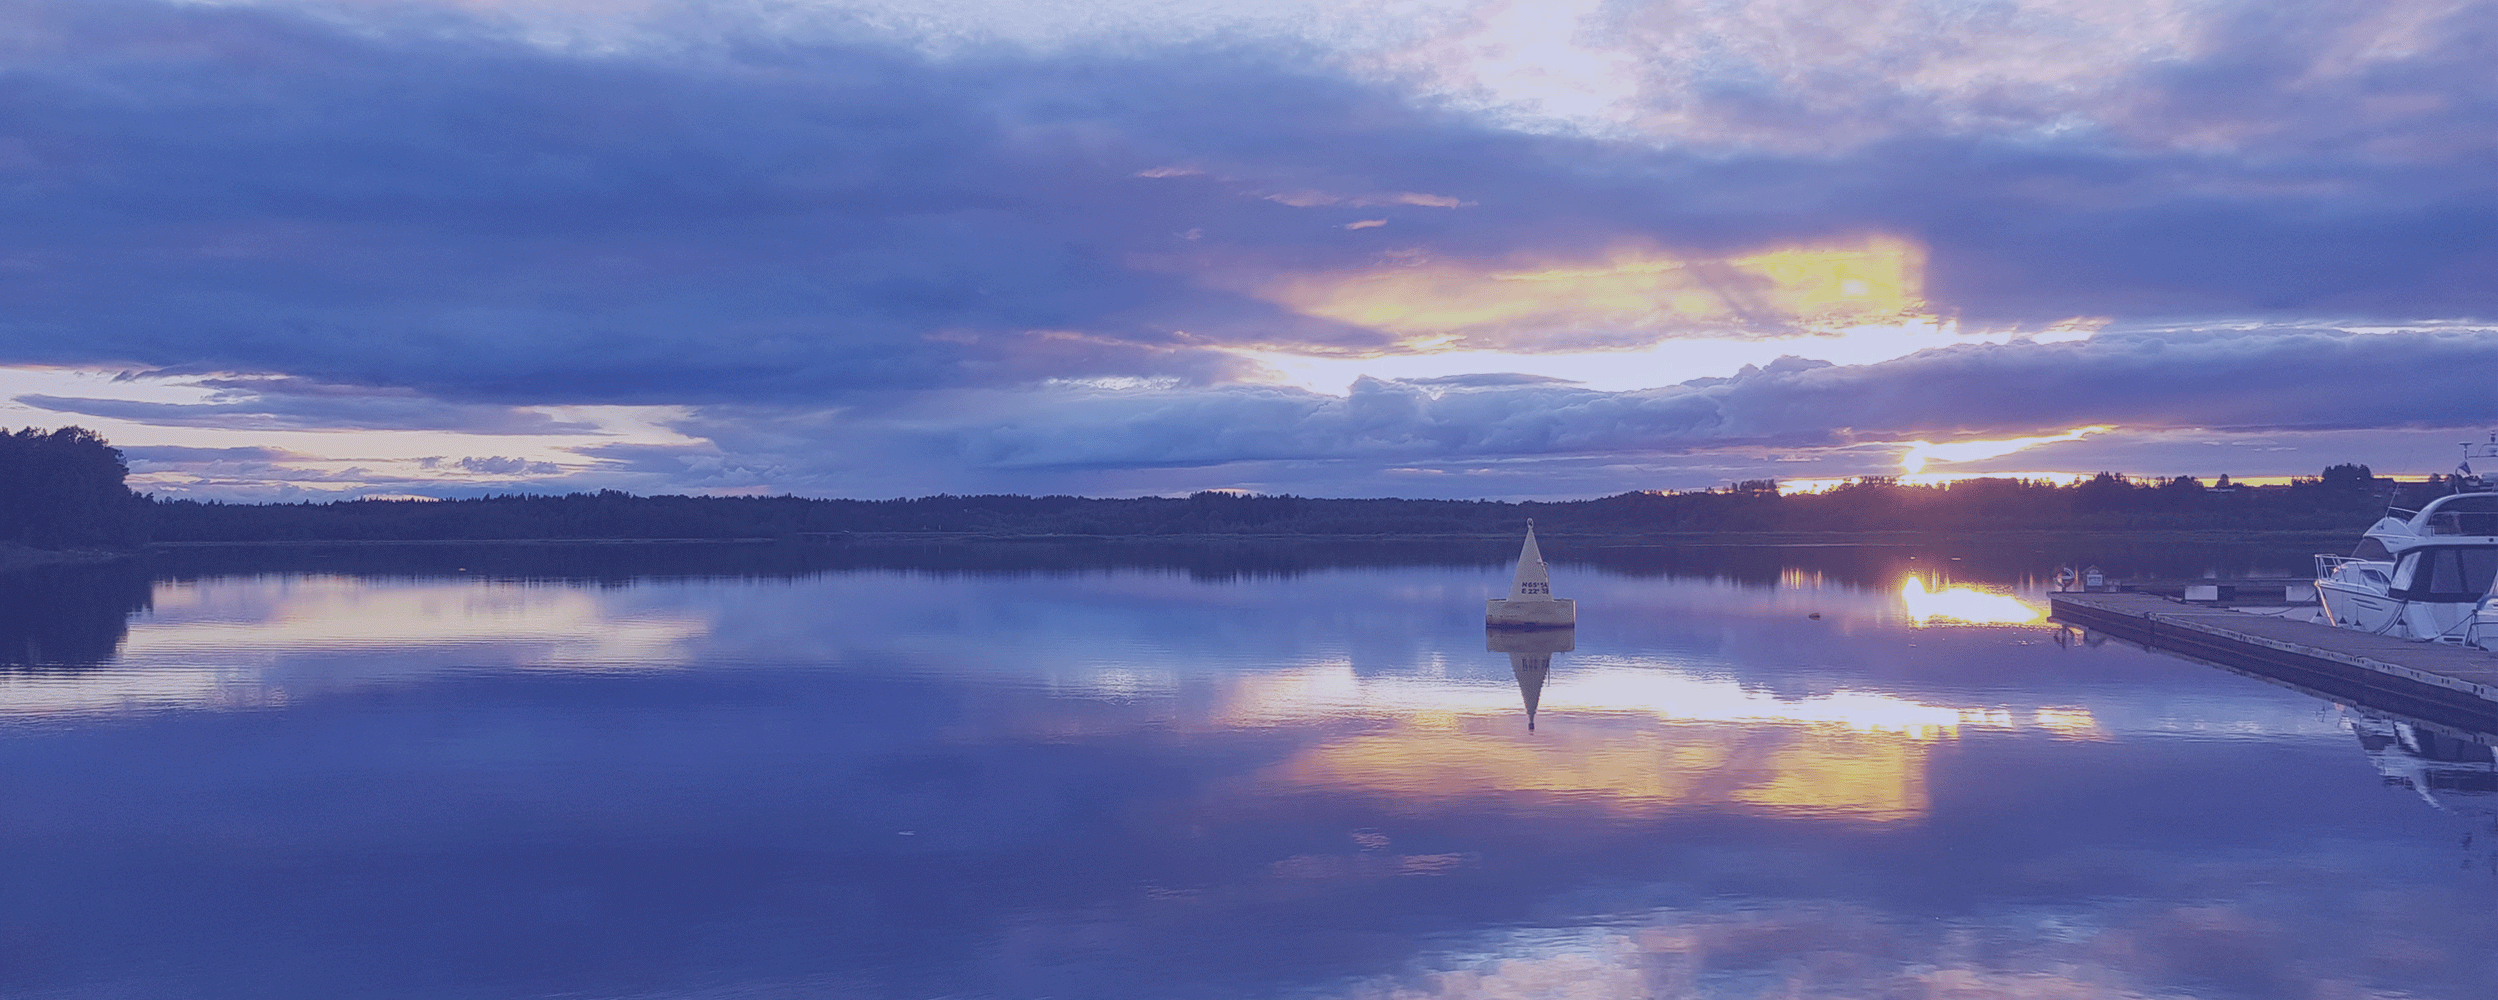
1773, 539
14, 557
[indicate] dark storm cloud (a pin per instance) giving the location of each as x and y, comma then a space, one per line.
427, 204
237, 188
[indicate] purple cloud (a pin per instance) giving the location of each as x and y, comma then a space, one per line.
482, 218
855, 258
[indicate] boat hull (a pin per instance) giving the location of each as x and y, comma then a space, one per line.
2378, 614
2352, 608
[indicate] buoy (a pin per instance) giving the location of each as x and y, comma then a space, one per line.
1531, 603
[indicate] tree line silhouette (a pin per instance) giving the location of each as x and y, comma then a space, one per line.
2345, 498
65, 489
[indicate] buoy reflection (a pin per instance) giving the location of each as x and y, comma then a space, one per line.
1961, 604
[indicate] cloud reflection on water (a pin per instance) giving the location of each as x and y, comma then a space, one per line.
1625, 687
1641, 740
1821, 950
1119, 785
530, 625
1790, 771
250, 642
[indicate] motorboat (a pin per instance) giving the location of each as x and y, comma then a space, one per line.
2446, 769
2418, 574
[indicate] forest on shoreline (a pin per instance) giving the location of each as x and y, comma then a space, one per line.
65, 489
2343, 502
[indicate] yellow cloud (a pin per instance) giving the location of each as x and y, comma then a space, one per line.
1633, 295
1921, 452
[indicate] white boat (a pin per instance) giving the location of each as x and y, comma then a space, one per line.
2450, 772
1531, 603
2420, 574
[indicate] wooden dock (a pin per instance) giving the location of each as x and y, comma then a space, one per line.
2441, 683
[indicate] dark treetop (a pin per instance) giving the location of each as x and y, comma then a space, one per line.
63, 489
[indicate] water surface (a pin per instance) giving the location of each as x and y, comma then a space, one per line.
1206, 773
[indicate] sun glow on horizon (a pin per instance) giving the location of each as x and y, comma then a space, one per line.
1791, 487
1922, 452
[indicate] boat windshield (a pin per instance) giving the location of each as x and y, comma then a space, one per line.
2445, 574
2465, 515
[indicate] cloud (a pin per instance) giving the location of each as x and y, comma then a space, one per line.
1050, 260
170, 454
286, 403
1632, 296
1313, 199
499, 465
416, 203
2270, 379
2179, 393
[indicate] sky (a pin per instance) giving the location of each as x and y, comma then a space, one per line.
313, 249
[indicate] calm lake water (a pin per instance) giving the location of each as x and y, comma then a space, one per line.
1225, 772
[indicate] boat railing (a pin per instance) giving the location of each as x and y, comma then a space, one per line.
2326, 565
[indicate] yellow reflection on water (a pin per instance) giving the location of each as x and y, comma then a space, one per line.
1963, 604
1795, 771
1638, 741
1335, 691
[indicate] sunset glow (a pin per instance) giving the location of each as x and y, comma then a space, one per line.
1964, 605
1314, 499
1798, 772
1922, 452
1625, 247
1640, 741
1633, 296
1643, 692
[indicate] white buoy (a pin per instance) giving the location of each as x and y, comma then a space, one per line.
1531, 603
1531, 658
